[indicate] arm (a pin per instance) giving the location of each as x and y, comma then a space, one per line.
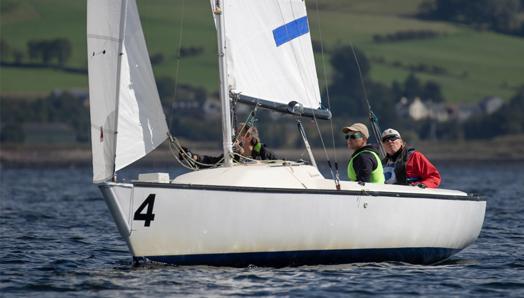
203, 161
266, 154
206, 161
418, 166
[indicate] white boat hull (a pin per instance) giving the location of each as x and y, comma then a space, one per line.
247, 223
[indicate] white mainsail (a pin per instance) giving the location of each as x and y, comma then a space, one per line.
269, 52
127, 120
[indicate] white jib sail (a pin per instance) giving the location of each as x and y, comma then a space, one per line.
127, 120
269, 51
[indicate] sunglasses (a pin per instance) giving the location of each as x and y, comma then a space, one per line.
354, 136
390, 139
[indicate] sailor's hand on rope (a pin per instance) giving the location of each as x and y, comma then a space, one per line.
184, 153
237, 148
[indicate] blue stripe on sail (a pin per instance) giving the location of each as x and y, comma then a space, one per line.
291, 30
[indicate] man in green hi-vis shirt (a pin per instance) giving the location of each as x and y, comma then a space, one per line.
365, 164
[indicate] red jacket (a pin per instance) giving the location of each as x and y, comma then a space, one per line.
420, 170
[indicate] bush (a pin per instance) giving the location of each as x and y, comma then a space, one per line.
12, 133
498, 15
157, 58
507, 120
56, 108
47, 51
190, 51
166, 87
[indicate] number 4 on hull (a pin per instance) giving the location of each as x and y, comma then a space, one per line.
149, 216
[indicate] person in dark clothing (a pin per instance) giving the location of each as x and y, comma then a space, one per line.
406, 166
249, 145
246, 146
365, 164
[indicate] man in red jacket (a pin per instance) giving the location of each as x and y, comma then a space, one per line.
406, 166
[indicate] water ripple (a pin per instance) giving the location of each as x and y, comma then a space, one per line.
57, 239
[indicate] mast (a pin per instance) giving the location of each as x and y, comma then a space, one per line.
227, 137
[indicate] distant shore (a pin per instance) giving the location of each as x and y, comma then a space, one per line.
509, 148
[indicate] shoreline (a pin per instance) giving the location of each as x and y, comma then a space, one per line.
502, 149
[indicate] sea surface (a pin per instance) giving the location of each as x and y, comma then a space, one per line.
57, 238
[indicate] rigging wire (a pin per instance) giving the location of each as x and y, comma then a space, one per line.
324, 72
178, 59
335, 176
372, 117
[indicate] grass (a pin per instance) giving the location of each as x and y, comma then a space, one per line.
38, 81
478, 63
472, 74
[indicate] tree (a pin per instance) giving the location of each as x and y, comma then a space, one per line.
382, 100
432, 92
18, 56
346, 88
33, 49
498, 15
65, 108
59, 49
166, 87
507, 120
62, 50
397, 89
412, 87
346, 68
513, 122
46, 52
11, 132
5, 50
157, 58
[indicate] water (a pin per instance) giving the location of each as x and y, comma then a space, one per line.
58, 239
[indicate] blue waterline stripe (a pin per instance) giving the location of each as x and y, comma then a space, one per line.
414, 255
291, 30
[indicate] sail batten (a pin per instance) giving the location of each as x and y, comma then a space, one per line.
127, 120
112, 38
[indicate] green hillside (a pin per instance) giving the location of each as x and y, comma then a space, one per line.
476, 63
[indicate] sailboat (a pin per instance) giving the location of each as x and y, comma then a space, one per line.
277, 213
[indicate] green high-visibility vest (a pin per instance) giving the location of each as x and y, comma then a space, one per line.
377, 176
257, 147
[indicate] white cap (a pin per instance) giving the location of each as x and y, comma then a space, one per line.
390, 132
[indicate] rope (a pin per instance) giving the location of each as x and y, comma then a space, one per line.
189, 163
184, 164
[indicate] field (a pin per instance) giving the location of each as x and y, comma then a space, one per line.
477, 63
